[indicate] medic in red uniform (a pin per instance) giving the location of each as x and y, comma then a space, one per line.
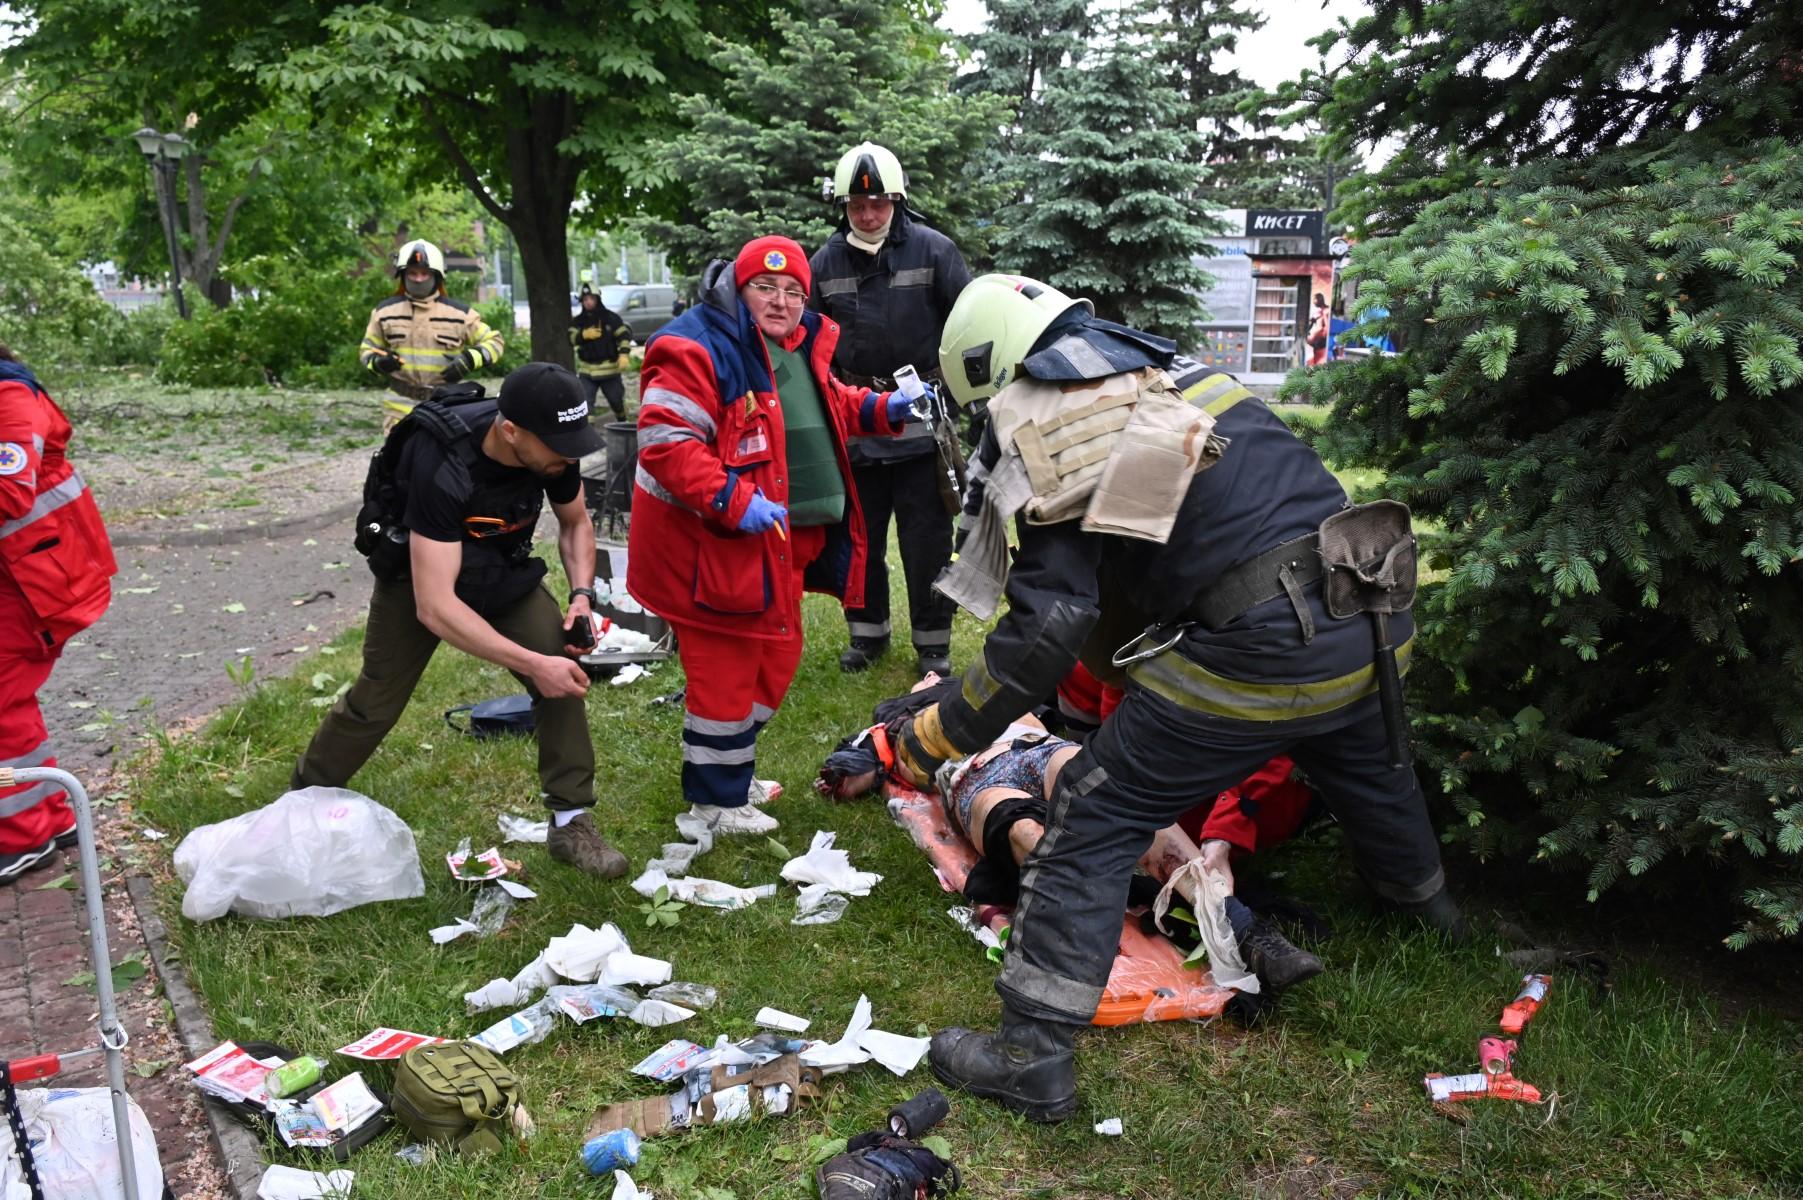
55, 567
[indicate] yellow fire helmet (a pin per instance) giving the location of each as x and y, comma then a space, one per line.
991, 330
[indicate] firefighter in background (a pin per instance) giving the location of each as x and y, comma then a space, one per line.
55, 568
1189, 555
602, 342
419, 337
889, 279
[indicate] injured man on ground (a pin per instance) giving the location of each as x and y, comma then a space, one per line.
997, 800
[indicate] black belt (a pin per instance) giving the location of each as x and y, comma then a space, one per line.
416, 392
1280, 571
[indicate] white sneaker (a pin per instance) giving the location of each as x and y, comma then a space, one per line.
726, 821
763, 791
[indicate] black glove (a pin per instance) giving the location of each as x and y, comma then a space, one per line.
458, 367
387, 364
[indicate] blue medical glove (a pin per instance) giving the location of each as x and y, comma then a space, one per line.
761, 513
901, 409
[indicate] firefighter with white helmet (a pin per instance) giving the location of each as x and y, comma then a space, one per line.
889, 280
419, 337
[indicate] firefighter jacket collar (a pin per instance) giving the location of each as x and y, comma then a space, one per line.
1078, 347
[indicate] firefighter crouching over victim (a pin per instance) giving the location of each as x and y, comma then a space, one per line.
56, 565
446, 524
1171, 525
742, 500
419, 337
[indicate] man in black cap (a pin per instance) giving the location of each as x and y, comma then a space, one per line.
473, 479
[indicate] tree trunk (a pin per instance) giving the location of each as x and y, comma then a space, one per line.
544, 185
203, 263
544, 253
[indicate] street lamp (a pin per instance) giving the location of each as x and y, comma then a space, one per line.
162, 151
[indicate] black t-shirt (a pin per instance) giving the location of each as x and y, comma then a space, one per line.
489, 507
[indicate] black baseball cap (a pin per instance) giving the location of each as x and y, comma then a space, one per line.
548, 401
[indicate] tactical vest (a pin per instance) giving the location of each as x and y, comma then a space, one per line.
1118, 452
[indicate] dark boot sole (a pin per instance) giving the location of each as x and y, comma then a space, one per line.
30, 860
1044, 1112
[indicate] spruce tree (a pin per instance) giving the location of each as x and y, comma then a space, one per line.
1599, 411
842, 72
1110, 183
1251, 162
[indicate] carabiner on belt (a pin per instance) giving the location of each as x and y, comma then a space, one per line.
1123, 659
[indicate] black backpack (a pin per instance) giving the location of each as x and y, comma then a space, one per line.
381, 534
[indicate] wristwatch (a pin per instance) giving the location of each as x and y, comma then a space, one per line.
589, 592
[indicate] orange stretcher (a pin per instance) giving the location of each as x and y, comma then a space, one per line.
1149, 981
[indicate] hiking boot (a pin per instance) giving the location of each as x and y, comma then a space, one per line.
580, 844
1028, 1066
932, 663
18, 862
862, 653
1270, 956
727, 821
1440, 912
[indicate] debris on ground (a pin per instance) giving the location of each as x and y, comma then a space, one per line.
310, 853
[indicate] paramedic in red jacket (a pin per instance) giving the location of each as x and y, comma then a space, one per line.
55, 564
742, 500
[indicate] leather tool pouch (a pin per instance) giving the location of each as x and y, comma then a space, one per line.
1369, 553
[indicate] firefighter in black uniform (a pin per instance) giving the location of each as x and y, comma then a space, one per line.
889, 279
1200, 577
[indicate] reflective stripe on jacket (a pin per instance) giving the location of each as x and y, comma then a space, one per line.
710, 435
53, 546
426, 335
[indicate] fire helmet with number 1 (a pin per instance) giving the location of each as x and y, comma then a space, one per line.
420, 253
868, 169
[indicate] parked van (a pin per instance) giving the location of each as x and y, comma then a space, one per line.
644, 306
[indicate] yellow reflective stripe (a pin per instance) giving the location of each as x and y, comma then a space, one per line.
980, 686
436, 355
400, 406
484, 342
1193, 686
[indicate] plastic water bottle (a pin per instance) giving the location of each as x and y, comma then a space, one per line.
611, 1152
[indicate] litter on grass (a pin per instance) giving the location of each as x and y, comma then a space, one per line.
776, 1018
291, 1183
523, 829
310, 853
467, 867
829, 881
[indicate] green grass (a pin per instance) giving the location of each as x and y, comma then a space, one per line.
127, 412
1659, 1094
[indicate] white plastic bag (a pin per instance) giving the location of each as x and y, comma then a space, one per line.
311, 853
71, 1136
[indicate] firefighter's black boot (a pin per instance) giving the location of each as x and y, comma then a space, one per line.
1440, 912
862, 653
1028, 1066
1271, 956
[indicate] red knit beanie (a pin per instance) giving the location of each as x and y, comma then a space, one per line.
772, 255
